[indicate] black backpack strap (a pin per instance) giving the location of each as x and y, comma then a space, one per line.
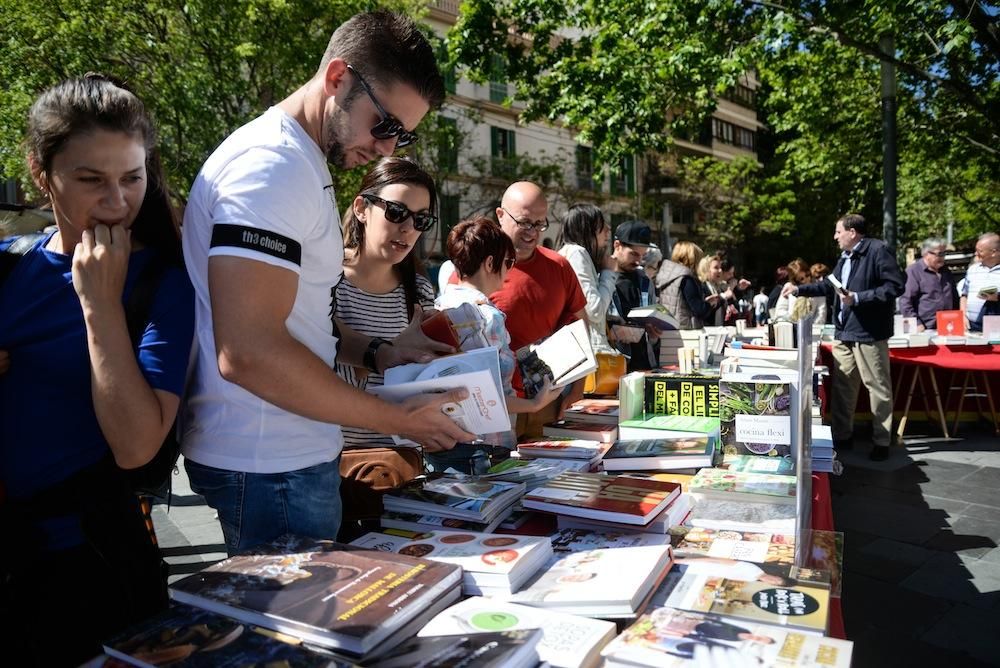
140, 301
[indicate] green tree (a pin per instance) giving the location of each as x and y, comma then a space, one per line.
628, 75
204, 67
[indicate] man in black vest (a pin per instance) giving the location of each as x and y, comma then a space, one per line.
871, 282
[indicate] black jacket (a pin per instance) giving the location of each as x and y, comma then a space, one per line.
877, 280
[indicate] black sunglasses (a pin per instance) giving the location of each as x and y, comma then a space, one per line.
397, 213
509, 262
389, 126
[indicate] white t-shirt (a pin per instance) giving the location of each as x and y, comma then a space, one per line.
265, 194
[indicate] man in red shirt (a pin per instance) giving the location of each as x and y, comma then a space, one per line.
541, 292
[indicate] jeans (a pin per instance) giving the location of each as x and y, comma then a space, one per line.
464, 457
256, 508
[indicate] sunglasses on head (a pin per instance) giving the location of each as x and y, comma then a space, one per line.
389, 126
396, 212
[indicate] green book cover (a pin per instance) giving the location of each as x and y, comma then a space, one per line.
704, 425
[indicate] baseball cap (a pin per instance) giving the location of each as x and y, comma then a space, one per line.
634, 233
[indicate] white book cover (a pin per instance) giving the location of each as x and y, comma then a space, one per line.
568, 641
484, 411
567, 353
578, 540
598, 583
670, 638
743, 516
487, 560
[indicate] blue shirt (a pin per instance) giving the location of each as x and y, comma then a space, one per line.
48, 428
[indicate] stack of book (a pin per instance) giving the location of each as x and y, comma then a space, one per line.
602, 411
563, 448
187, 636
671, 393
660, 454
469, 498
534, 472
511, 649
581, 430
613, 583
603, 497
669, 637
491, 565
568, 641
823, 453
324, 593
667, 426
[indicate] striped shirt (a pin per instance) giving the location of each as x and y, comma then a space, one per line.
383, 315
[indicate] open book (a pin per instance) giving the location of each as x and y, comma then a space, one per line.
565, 357
484, 411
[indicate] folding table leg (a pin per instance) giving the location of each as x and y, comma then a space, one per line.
906, 408
937, 400
961, 400
989, 401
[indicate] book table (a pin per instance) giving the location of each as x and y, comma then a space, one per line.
948, 372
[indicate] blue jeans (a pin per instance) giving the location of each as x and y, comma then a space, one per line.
464, 457
256, 508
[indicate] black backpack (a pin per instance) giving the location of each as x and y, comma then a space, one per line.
153, 478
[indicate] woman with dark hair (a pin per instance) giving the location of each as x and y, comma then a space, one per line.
798, 274
584, 242
483, 255
384, 287
780, 278
81, 400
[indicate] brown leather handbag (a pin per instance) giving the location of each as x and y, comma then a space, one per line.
367, 473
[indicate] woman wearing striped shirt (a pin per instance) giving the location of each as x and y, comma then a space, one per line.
383, 286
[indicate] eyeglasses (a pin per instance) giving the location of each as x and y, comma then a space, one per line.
509, 262
936, 253
397, 213
389, 126
525, 225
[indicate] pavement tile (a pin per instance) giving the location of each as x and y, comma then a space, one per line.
962, 492
887, 519
984, 476
968, 628
888, 560
948, 577
968, 536
884, 649
980, 511
870, 603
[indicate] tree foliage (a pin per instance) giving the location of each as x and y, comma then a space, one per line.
203, 67
628, 74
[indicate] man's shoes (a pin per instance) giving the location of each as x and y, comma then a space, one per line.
879, 453
841, 444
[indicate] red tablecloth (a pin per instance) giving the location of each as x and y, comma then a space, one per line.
822, 520
946, 362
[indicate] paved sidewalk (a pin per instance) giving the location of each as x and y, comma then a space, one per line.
921, 562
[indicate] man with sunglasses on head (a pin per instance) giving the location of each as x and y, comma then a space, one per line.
263, 244
930, 286
541, 293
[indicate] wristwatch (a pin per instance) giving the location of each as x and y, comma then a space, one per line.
369, 357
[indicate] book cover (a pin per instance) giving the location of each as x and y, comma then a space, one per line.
759, 464
665, 453
603, 411
673, 515
950, 323
487, 560
598, 583
568, 641
654, 314
564, 357
682, 479
324, 592
729, 544
681, 394
755, 415
570, 448
738, 485
418, 522
195, 638
798, 605
584, 431
668, 637
507, 649
743, 516
466, 497
484, 411
578, 540
614, 498
661, 426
